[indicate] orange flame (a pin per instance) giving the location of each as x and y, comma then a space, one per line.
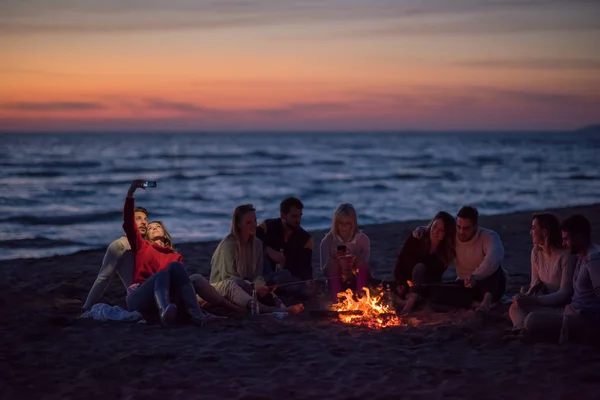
369, 311
410, 283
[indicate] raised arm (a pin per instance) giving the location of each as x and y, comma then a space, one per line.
132, 232
494, 254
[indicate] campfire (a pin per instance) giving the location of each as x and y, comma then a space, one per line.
365, 311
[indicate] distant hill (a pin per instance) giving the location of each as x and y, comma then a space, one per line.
588, 130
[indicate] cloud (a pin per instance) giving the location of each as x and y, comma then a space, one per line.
308, 108
54, 106
86, 16
540, 63
167, 105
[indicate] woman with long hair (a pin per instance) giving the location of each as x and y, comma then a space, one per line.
424, 260
552, 269
237, 263
161, 286
345, 252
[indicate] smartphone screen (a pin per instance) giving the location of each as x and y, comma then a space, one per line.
148, 184
341, 248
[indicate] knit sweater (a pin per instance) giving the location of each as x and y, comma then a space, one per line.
481, 256
228, 263
555, 272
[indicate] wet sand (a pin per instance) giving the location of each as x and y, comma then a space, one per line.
46, 351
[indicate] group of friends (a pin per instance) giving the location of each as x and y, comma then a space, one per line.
255, 266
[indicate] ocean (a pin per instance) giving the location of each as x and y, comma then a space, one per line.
65, 192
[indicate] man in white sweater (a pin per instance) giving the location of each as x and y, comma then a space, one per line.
118, 259
479, 255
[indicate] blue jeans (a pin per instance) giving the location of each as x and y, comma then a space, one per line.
170, 285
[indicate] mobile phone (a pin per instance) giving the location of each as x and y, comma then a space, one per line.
148, 184
341, 248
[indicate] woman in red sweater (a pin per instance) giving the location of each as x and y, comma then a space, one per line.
160, 279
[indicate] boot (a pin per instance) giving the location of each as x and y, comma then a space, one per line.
167, 311
197, 315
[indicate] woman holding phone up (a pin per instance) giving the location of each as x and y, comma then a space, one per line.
345, 252
161, 285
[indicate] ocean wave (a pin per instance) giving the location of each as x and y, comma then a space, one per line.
488, 160
433, 163
37, 242
495, 205
377, 186
582, 177
327, 162
442, 175
532, 159
62, 220
105, 182
52, 164
230, 155
398, 176
38, 174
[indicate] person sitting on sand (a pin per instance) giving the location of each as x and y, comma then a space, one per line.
237, 263
423, 261
160, 285
552, 269
581, 317
120, 259
345, 252
117, 259
287, 248
479, 255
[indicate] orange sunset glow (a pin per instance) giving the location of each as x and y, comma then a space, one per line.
72, 65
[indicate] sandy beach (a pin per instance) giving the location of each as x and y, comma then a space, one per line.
47, 352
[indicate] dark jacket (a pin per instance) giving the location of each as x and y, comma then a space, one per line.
416, 251
297, 250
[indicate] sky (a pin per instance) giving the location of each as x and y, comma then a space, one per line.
282, 65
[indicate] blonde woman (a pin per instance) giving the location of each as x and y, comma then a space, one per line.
237, 263
345, 252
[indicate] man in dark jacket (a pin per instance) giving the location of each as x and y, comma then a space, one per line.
287, 247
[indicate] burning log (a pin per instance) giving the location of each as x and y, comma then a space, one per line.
335, 314
365, 310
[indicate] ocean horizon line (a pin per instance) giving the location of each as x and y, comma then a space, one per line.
266, 132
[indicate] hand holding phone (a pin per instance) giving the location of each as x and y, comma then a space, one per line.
341, 252
139, 183
147, 184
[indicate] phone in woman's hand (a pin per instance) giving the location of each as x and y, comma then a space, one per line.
148, 184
